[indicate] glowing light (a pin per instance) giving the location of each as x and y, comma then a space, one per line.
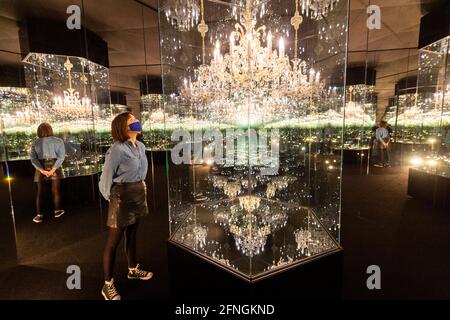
281, 47
416, 161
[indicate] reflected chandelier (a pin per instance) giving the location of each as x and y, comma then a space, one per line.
317, 9
71, 99
182, 14
251, 69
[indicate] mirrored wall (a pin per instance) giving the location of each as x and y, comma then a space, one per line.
76, 81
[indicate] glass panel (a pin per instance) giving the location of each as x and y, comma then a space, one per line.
360, 112
67, 93
13, 95
72, 103
431, 122
153, 117
153, 111
253, 186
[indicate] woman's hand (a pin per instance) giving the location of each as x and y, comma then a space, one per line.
44, 172
47, 173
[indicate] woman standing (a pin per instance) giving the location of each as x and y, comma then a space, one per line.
122, 184
47, 156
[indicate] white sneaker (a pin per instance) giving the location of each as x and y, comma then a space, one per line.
109, 291
38, 219
138, 274
59, 213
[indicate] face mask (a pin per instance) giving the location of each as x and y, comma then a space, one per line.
135, 126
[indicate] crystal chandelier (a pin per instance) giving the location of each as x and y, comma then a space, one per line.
316, 9
71, 99
277, 184
251, 69
232, 189
200, 234
182, 14
302, 238
250, 220
250, 242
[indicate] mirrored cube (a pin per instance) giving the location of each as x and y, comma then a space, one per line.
254, 187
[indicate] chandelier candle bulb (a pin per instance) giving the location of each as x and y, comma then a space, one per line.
231, 44
269, 42
281, 47
217, 51
311, 75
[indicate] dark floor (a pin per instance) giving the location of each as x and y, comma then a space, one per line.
407, 239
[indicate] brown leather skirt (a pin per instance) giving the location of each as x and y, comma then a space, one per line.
127, 203
48, 164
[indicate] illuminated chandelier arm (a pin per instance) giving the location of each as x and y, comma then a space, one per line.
203, 29
260, 30
296, 20
240, 30
350, 92
68, 65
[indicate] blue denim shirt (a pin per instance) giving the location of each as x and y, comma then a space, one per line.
382, 134
47, 148
123, 163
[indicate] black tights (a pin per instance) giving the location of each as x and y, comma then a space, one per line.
55, 194
109, 253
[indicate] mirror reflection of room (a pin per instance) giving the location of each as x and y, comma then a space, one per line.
58, 98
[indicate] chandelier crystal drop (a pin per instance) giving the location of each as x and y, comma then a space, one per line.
182, 14
251, 68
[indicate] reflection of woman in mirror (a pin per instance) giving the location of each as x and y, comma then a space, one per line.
72, 150
122, 184
47, 156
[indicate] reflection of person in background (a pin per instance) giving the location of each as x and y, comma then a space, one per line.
122, 184
47, 156
71, 148
383, 139
373, 142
